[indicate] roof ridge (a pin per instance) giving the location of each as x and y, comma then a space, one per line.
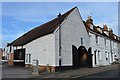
41, 30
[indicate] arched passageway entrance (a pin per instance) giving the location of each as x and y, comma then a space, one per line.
83, 56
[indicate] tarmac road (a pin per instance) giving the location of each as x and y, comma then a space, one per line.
15, 72
107, 74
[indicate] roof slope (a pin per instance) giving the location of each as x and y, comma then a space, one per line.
111, 36
42, 30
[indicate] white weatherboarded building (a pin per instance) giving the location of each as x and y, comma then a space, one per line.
66, 42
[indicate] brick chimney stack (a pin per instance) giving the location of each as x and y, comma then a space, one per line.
105, 28
110, 31
89, 20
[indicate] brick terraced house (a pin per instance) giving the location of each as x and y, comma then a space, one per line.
66, 42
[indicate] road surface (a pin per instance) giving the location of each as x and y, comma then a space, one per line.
107, 74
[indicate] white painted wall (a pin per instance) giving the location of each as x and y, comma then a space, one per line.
115, 49
104, 49
72, 30
46, 48
119, 52
42, 49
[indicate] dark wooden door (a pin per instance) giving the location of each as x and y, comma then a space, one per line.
90, 58
95, 57
76, 58
19, 54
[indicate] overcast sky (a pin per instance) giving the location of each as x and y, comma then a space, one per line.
18, 18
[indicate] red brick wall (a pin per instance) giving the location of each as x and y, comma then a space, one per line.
43, 68
1, 54
10, 61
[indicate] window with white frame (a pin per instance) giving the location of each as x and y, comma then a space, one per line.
99, 55
114, 45
96, 37
28, 58
106, 54
105, 42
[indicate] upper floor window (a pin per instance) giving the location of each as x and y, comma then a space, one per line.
107, 55
114, 45
96, 39
105, 42
81, 41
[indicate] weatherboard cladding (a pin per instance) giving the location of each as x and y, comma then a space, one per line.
42, 30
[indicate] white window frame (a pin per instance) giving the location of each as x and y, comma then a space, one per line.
114, 45
105, 40
99, 55
96, 39
106, 55
28, 58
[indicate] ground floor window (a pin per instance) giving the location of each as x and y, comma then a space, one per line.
99, 55
95, 57
28, 58
112, 57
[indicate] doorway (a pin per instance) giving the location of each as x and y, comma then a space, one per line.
19, 54
83, 54
76, 58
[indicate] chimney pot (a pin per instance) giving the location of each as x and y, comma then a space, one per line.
89, 17
59, 15
89, 20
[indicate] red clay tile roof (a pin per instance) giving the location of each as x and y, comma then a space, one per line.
111, 36
40, 31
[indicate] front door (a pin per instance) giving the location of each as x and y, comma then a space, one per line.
95, 57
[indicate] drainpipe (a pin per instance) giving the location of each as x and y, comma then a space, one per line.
59, 42
111, 51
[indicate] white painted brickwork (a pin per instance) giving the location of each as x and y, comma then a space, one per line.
42, 49
104, 49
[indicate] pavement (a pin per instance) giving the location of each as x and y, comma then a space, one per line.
21, 72
78, 73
